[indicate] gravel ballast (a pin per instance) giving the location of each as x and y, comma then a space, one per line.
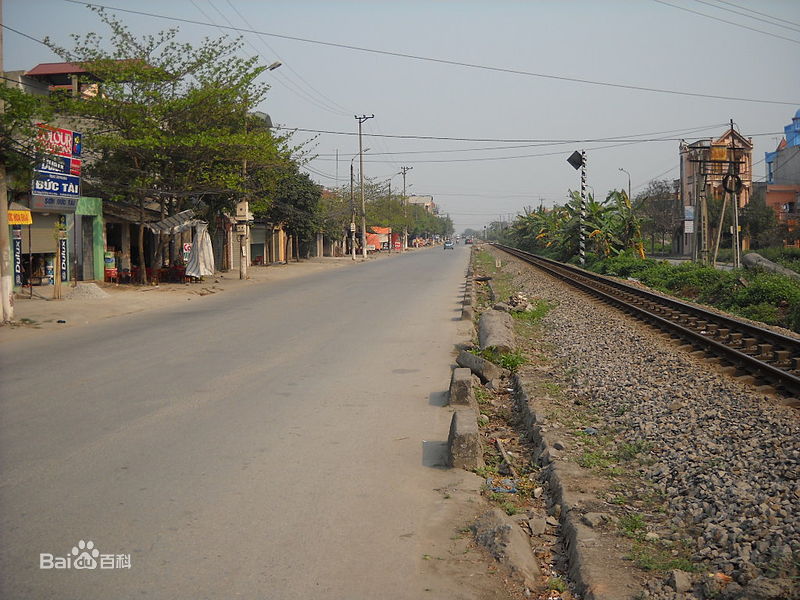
725, 457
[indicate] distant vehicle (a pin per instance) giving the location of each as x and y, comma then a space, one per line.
468, 241
448, 245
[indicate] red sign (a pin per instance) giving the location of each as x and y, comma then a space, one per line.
55, 141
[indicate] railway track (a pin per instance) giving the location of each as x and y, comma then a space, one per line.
741, 348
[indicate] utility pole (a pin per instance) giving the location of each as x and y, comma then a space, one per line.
361, 120
353, 214
6, 287
403, 171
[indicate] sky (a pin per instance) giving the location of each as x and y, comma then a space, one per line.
485, 101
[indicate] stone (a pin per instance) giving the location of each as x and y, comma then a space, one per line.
537, 525
559, 445
485, 370
552, 521
501, 306
495, 330
679, 581
593, 519
496, 532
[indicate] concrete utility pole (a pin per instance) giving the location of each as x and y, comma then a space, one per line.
403, 171
6, 285
361, 120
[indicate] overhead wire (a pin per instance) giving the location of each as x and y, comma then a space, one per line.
289, 85
320, 100
775, 35
744, 14
451, 62
335, 105
747, 8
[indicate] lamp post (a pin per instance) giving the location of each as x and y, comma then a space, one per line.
243, 216
361, 120
629, 182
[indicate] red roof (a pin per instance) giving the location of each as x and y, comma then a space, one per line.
62, 68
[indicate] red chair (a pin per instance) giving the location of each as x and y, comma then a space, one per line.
112, 275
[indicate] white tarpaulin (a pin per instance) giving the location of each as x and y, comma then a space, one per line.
174, 224
201, 258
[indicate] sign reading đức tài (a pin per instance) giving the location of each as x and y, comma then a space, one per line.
56, 182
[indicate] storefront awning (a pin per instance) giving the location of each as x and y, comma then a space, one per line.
174, 224
19, 215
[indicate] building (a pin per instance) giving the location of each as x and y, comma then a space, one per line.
704, 167
425, 202
783, 176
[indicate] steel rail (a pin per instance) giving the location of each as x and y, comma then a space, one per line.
610, 291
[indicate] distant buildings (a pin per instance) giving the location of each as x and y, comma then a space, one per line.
783, 176
426, 202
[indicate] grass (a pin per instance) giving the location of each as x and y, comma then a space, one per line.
632, 526
511, 361
657, 557
557, 584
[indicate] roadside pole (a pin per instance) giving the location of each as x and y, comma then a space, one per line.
361, 120
6, 287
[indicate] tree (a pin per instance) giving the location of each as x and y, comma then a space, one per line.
760, 223
18, 112
296, 206
656, 205
169, 121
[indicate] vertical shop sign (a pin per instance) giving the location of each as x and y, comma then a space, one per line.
62, 242
17, 247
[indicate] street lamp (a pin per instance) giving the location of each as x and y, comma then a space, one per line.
629, 182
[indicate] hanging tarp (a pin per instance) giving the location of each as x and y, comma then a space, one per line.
175, 224
201, 258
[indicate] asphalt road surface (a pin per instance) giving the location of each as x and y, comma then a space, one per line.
280, 442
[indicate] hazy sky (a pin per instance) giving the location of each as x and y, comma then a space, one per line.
509, 132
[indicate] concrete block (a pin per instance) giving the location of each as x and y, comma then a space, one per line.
464, 442
467, 314
495, 330
487, 371
461, 387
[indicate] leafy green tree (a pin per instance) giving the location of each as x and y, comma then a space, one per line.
296, 206
760, 223
18, 132
169, 121
656, 205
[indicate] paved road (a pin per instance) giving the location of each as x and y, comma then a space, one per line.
276, 443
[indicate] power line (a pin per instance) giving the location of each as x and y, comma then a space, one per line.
329, 105
759, 13
452, 62
530, 145
544, 141
744, 14
775, 35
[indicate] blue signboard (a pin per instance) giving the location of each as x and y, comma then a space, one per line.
56, 185
50, 163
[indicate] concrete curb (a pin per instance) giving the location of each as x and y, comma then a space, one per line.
588, 562
461, 387
464, 441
